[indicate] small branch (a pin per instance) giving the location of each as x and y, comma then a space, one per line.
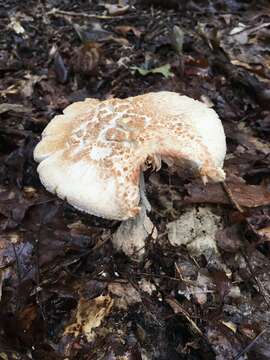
59, 12
249, 346
251, 29
231, 197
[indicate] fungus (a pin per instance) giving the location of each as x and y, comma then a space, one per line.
93, 155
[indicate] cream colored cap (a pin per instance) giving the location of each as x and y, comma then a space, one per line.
93, 154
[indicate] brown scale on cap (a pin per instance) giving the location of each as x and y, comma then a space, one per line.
94, 153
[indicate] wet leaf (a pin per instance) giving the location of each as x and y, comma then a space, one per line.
164, 70
125, 29
87, 57
245, 195
60, 69
5, 107
229, 239
125, 295
16, 26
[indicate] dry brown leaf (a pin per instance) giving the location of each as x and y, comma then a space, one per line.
124, 29
245, 195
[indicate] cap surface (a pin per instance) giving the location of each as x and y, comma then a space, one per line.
93, 154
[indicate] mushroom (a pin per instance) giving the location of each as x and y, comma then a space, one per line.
94, 155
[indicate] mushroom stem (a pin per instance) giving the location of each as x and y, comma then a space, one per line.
143, 199
131, 235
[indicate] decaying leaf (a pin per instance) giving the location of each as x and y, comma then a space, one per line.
89, 315
87, 58
245, 195
16, 26
5, 107
197, 289
124, 29
245, 45
116, 9
230, 325
125, 295
229, 239
1, 283
164, 70
265, 232
61, 71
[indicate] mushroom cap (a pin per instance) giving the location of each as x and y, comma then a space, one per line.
93, 154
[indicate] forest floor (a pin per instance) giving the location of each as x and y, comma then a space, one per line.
64, 291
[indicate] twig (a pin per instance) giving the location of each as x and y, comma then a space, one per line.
251, 29
263, 292
56, 12
249, 346
231, 197
165, 277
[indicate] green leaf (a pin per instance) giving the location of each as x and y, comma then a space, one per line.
164, 70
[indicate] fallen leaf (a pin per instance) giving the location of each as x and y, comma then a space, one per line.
5, 107
28, 84
60, 69
265, 232
124, 29
16, 26
89, 315
116, 9
245, 195
3, 356
224, 342
221, 281
96, 34
229, 239
87, 58
229, 325
27, 316
164, 70
125, 295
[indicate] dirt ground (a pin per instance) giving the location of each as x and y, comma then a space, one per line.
64, 291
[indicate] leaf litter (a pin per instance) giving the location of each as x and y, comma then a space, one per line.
64, 290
